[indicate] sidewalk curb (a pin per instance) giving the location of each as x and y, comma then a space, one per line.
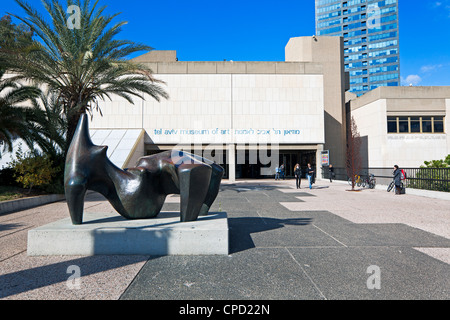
29, 203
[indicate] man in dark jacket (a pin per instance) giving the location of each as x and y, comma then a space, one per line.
397, 179
298, 175
331, 172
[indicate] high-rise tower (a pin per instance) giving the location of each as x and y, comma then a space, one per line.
371, 39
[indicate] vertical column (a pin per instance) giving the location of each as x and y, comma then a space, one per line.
319, 162
231, 162
232, 145
447, 124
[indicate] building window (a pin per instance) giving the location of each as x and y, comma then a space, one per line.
427, 125
416, 124
438, 124
392, 125
403, 125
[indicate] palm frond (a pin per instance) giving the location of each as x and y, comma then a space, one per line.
81, 65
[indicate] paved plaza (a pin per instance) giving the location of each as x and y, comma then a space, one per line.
285, 244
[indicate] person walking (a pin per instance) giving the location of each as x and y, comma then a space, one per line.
282, 171
298, 175
331, 172
310, 175
397, 179
277, 173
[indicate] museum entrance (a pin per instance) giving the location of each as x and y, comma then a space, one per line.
252, 170
252, 164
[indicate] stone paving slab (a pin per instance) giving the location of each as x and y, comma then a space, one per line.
405, 274
262, 274
331, 252
246, 233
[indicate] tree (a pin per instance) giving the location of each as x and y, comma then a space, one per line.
81, 63
353, 152
14, 37
13, 124
13, 118
33, 116
33, 170
437, 163
47, 125
26, 113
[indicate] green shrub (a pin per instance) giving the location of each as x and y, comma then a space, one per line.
33, 170
433, 175
438, 163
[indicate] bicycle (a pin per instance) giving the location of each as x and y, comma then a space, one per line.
370, 181
358, 181
392, 185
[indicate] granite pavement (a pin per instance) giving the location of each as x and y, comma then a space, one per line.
327, 243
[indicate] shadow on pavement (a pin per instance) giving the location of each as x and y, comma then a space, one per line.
242, 228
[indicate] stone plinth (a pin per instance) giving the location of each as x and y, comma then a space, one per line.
111, 234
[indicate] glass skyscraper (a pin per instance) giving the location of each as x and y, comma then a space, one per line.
371, 39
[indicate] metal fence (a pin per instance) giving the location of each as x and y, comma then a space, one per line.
435, 179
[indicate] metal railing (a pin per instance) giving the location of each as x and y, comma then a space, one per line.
434, 179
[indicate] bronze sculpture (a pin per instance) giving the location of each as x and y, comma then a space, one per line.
140, 192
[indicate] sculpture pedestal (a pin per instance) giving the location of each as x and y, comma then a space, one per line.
111, 234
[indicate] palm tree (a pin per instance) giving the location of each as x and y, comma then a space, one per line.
13, 118
81, 65
51, 139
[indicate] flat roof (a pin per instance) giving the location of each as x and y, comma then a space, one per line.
165, 62
234, 67
402, 92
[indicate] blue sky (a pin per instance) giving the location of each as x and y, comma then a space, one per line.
212, 30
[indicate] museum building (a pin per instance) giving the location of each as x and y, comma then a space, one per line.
251, 117
247, 116
403, 125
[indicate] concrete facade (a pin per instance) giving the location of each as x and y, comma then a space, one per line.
383, 149
231, 106
328, 52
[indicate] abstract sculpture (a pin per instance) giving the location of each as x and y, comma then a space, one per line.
138, 193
